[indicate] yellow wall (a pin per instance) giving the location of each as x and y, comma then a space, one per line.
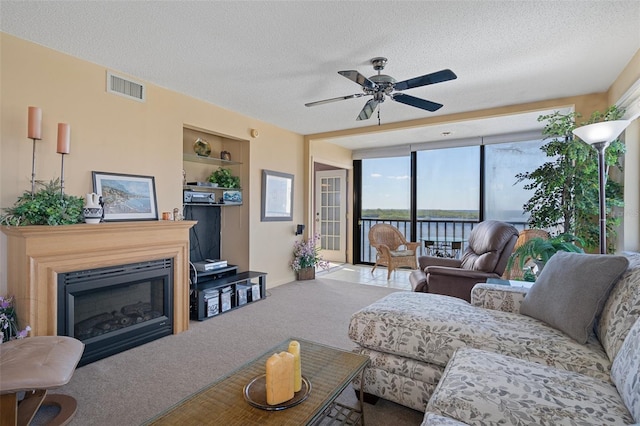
114, 134
630, 233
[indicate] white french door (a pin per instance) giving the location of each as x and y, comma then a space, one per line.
331, 213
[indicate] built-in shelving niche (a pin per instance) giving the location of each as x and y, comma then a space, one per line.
233, 240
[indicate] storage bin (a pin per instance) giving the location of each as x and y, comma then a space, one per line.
241, 293
255, 292
225, 299
211, 302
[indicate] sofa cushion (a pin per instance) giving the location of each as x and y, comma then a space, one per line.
499, 297
399, 379
430, 327
622, 308
625, 371
485, 388
571, 291
431, 419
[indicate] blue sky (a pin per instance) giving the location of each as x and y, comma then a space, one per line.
449, 178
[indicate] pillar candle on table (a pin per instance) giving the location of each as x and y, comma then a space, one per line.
34, 129
64, 138
294, 349
279, 379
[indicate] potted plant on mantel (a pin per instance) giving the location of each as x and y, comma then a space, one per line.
48, 206
306, 257
539, 250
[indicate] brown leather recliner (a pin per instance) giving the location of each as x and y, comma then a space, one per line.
490, 244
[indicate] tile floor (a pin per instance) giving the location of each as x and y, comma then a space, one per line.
362, 274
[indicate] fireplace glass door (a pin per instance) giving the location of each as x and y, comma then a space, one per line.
116, 308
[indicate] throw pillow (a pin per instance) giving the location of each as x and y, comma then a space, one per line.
571, 291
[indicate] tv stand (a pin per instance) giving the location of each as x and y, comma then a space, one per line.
224, 289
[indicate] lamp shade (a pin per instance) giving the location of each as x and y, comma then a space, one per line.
605, 131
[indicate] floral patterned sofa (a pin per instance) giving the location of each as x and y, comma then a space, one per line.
486, 363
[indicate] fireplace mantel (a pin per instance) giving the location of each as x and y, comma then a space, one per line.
36, 254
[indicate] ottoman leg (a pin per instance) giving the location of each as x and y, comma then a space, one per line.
22, 412
8, 409
367, 397
67, 405
28, 407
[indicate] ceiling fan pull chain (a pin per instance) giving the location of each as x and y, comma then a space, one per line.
378, 115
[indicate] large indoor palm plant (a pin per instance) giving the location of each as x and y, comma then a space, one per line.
565, 189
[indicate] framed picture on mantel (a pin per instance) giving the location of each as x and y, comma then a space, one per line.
126, 197
277, 196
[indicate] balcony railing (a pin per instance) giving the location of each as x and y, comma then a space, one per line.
429, 230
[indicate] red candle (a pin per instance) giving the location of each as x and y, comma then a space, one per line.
64, 138
35, 123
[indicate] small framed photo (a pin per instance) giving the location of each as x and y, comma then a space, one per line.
126, 197
232, 197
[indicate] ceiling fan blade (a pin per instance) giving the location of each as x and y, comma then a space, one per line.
436, 77
416, 102
358, 78
339, 98
368, 109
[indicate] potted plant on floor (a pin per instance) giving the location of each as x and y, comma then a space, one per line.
565, 189
9, 322
306, 257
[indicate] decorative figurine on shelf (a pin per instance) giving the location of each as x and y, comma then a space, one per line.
225, 155
201, 147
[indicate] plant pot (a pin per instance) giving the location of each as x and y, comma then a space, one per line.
306, 274
540, 264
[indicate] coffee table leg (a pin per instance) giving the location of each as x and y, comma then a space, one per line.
361, 398
341, 414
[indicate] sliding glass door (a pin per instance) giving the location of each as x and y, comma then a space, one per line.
447, 194
386, 198
436, 196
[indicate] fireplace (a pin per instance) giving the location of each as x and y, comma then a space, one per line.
116, 308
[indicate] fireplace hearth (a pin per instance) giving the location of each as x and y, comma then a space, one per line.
116, 308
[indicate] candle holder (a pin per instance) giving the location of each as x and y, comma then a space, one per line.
64, 139
34, 132
62, 154
33, 167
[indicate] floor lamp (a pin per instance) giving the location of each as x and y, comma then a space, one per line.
600, 135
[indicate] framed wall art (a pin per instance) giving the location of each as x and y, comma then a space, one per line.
126, 197
277, 196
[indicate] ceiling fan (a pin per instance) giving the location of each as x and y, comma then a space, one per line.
382, 85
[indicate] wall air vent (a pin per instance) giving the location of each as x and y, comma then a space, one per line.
125, 87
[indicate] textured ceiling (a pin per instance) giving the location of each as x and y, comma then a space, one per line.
267, 59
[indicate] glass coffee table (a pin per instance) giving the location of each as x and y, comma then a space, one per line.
328, 370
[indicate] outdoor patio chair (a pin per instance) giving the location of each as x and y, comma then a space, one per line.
392, 249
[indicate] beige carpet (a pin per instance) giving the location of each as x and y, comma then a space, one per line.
132, 387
